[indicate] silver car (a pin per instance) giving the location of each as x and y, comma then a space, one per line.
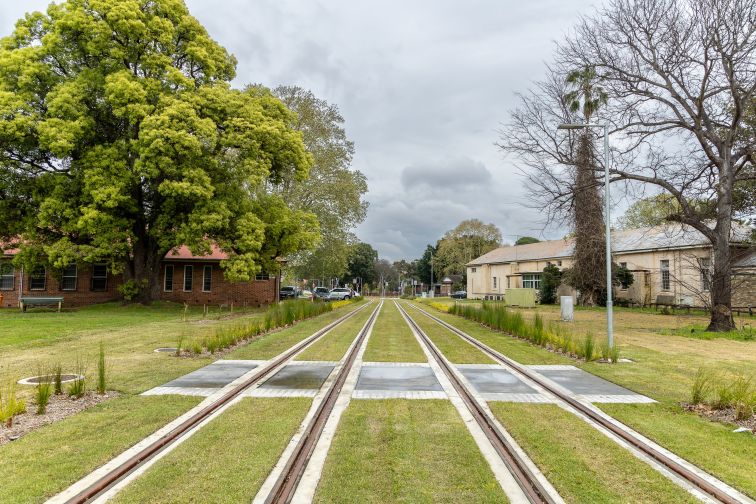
340, 293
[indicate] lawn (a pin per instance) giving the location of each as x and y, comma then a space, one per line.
218, 464
392, 339
581, 463
49, 459
405, 451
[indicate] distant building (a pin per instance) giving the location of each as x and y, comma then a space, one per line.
185, 278
670, 264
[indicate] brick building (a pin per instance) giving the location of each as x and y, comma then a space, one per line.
185, 278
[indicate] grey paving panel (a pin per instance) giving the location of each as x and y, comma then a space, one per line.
299, 377
496, 381
215, 375
580, 382
404, 378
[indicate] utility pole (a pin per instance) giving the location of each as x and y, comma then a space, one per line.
432, 286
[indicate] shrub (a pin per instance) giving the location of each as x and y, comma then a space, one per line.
196, 347
42, 394
701, 386
10, 404
101, 371
743, 397
724, 396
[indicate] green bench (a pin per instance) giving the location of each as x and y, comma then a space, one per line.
27, 301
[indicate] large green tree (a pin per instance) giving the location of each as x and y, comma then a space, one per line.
121, 139
469, 240
361, 263
334, 191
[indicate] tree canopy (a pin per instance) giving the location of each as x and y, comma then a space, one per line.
121, 139
526, 240
361, 263
470, 239
334, 190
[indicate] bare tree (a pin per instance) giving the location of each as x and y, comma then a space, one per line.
680, 76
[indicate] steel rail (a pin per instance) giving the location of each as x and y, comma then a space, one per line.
526, 479
648, 450
286, 484
102, 484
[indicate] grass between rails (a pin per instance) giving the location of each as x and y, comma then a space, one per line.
709, 445
46, 461
272, 344
392, 339
227, 460
334, 345
581, 463
405, 451
452, 346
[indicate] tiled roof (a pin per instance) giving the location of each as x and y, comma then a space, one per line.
625, 240
748, 261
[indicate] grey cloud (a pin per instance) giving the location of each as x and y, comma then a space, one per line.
451, 174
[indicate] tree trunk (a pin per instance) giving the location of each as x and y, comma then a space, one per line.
721, 280
142, 274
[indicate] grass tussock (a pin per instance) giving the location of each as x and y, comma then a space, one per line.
496, 316
279, 315
10, 404
724, 391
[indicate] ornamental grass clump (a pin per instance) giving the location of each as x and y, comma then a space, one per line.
588, 347
614, 354
78, 386
10, 404
101, 370
701, 386
57, 373
743, 397
42, 394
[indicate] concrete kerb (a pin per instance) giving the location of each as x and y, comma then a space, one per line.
681, 482
327, 434
89, 479
507, 482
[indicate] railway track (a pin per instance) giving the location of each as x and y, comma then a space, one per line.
285, 486
534, 490
719, 493
96, 488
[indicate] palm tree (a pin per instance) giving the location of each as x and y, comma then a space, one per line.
584, 89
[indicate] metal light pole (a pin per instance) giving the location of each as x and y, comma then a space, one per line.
609, 307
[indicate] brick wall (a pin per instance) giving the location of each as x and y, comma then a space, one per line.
744, 289
253, 293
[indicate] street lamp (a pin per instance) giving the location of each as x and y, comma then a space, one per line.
609, 307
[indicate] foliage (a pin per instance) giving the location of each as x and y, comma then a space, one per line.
622, 276
650, 211
42, 393
526, 240
469, 240
423, 265
57, 373
78, 386
701, 386
101, 370
361, 264
551, 278
334, 191
119, 119
10, 404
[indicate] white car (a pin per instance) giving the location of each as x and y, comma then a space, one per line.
340, 293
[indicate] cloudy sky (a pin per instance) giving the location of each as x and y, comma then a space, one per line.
423, 86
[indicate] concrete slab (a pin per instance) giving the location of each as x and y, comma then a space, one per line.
213, 376
300, 376
388, 377
496, 381
580, 382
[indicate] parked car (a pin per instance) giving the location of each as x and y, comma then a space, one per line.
340, 293
321, 292
288, 292
459, 294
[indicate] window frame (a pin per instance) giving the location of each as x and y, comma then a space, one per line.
704, 264
64, 277
531, 281
664, 278
7, 265
94, 278
473, 270
494, 282
33, 275
207, 279
190, 268
165, 277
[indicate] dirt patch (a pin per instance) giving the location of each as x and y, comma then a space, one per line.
726, 415
59, 407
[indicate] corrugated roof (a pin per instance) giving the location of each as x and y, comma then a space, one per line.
625, 240
749, 261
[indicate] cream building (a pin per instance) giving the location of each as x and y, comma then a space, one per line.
670, 265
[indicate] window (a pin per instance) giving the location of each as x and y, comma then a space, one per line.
664, 266
705, 265
168, 278
494, 282
623, 281
7, 276
262, 276
507, 282
68, 280
207, 278
38, 278
531, 281
474, 270
559, 263
188, 272
99, 277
